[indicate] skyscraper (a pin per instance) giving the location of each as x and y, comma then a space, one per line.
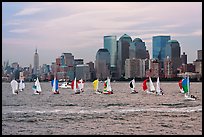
199, 54
137, 49
102, 64
184, 58
68, 59
110, 43
173, 50
123, 53
36, 63
159, 46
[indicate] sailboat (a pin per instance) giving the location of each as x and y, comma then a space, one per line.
81, 85
132, 86
151, 86
180, 86
107, 87
75, 86
21, 85
55, 86
37, 88
158, 88
95, 85
14, 86
66, 85
186, 88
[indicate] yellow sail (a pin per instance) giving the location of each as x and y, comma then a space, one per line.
95, 85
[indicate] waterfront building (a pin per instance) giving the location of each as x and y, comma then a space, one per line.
199, 54
83, 72
159, 47
184, 58
110, 43
36, 63
102, 64
123, 54
174, 52
137, 49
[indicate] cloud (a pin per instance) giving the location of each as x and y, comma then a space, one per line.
19, 30
28, 11
72, 26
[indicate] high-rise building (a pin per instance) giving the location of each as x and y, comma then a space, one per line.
137, 49
159, 47
174, 52
69, 62
168, 68
199, 54
123, 53
147, 54
36, 63
134, 68
184, 58
102, 64
92, 70
155, 68
83, 72
110, 43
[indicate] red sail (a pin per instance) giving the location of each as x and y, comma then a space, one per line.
180, 84
144, 85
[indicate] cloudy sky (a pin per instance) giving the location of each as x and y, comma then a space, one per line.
79, 27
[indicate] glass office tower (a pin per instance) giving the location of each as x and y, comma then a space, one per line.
159, 46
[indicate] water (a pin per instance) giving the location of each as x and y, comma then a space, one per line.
121, 113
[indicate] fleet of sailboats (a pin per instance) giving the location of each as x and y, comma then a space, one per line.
184, 86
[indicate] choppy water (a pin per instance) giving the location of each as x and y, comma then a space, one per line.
89, 113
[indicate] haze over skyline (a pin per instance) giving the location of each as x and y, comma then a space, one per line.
78, 27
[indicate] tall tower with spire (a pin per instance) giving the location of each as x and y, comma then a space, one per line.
36, 63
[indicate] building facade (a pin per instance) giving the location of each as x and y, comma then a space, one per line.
36, 63
83, 72
123, 54
173, 51
183, 58
159, 47
110, 43
102, 64
137, 49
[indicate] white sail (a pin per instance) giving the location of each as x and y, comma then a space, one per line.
37, 84
108, 85
21, 86
158, 90
75, 86
81, 85
14, 86
133, 84
54, 85
151, 85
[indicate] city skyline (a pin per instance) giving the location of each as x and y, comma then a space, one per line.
79, 27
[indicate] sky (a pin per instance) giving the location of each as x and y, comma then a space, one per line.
79, 27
